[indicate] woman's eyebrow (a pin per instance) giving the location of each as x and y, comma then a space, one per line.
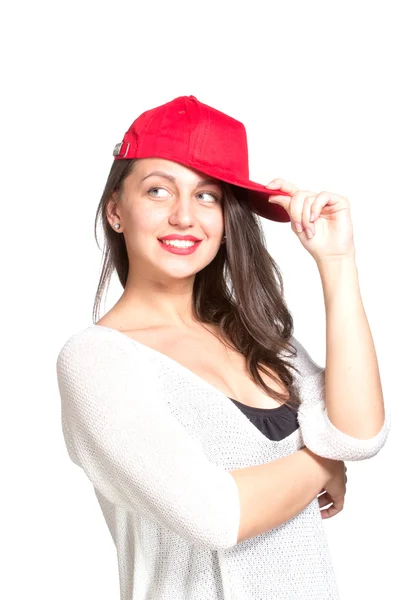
173, 179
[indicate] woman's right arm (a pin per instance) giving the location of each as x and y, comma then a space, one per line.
274, 492
133, 449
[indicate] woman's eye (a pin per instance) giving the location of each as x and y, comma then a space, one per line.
156, 188
212, 197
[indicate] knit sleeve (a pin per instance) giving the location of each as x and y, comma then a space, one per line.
131, 447
319, 434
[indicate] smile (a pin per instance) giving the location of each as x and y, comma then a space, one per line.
179, 246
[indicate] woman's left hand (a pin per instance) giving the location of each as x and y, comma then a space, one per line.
331, 227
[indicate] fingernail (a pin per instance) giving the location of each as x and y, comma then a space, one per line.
298, 227
272, 184
309, 233
312, 217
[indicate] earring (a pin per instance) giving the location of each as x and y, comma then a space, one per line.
117, 225
223, 240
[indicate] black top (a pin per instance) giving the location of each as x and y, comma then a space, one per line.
274, 423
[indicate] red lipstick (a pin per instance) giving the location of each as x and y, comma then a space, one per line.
176, 250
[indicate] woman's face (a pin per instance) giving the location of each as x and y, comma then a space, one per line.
160, 198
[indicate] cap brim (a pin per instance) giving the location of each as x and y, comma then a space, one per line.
258, 197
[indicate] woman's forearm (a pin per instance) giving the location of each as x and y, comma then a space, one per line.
354, 397
272, 493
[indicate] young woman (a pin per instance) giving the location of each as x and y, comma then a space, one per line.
212, 439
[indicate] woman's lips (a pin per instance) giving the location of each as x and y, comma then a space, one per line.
175, 250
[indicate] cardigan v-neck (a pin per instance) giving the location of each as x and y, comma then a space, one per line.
157, 443
273, 428
274, 423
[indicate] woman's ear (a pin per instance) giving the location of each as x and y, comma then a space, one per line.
111, 208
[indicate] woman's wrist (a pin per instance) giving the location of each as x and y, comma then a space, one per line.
328, 466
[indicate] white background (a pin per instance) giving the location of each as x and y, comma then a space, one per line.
317, 86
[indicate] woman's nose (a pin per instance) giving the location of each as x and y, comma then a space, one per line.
183, 212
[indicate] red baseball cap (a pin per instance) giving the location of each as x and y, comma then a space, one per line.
198, 136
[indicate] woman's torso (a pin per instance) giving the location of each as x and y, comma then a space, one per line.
230, 442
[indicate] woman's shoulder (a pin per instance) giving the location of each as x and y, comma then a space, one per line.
94, 344
95, 334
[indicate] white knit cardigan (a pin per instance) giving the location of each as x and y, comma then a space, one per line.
157, 442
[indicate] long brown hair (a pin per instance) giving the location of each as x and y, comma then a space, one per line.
241, 291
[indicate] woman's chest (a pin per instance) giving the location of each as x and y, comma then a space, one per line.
222, 367
225, 432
